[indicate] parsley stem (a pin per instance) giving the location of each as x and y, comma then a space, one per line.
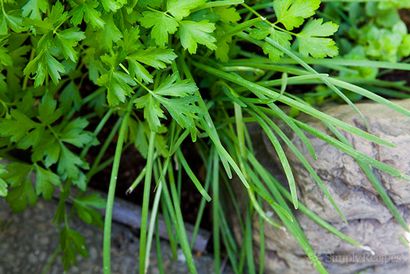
111, 192
145, 203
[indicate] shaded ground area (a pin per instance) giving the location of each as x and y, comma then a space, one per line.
27, 241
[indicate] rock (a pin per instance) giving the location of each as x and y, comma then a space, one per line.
369, 220
24, 250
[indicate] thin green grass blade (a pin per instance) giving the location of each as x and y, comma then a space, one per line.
292, 227
282, 158
145, 203
192, 176
215, 217
202, 204
160, 261
153, 221
293, 103
350, 63
312, 70
262, 246
111, 192
137, 181
179, 222
370, 95
248, 243
287, 120
305, 163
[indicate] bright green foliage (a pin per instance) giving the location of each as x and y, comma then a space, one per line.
161, 24
311, 41
194, 33
78, 78
292, 13
376, 29
35, 8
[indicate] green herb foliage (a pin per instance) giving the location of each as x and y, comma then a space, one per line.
163, 74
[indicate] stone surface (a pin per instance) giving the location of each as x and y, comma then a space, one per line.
369, 221
28, 240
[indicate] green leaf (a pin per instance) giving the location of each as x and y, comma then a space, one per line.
155, 57
68, 40
139, 71
46, 180
118, 85
75, 134
184, 107
311, 39
17, 126
70, 98
193, 33
110, 34
72, 243
15, 23
5, 57
183, 110
172, 87
41, 66
69, 166
47, 111
227, 14
89, 13
22, 196
162, 25
152, 110
21, 191
113, 5
47, 151
223, 43
282, 38
182, 8
34, 8
292, 13
86, 206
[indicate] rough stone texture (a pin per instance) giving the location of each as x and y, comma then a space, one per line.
369, 221
27, 241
